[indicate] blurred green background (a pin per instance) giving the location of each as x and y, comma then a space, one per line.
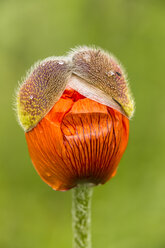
129, 211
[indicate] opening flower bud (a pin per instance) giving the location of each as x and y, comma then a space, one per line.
76, 118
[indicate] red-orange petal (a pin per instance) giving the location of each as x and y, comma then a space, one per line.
78, 140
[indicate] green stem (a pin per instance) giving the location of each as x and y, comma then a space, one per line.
81, 214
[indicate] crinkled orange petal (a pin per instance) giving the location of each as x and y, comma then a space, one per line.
79, 140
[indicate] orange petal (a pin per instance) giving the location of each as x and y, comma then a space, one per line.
78, 140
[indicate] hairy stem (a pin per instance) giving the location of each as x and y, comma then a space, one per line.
81, 216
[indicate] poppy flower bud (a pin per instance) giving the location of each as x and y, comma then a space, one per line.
76, 118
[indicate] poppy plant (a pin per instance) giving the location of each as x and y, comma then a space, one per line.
75, 112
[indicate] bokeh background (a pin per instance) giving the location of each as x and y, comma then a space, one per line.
129, 211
